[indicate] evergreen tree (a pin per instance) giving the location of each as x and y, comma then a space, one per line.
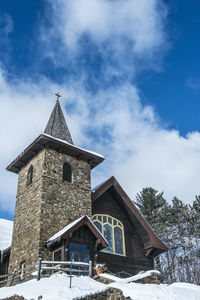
150, 203
178, 226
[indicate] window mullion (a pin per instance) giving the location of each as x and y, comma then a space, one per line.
113, 237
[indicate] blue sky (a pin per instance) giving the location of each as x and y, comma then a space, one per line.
129, 77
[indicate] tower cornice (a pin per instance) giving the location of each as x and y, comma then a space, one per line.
47, 141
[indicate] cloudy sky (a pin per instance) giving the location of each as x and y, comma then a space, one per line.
128, 72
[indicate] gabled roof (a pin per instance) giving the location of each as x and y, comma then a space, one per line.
150, 239
57, 126
70, 228
45, 140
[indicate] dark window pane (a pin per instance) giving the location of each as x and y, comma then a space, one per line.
30, 176
104, 219
119, 224
99, 218
114, 222
57, 255
118, 240
78, 247
110, 220
67, 172
108, 236
98, 225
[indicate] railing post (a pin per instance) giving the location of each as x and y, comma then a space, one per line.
39, 268
70, 279
13, 277
90, 268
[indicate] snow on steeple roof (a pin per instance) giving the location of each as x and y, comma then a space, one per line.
57, 126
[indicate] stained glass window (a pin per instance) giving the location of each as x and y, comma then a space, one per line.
113, 230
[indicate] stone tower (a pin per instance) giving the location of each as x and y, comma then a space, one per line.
53, 189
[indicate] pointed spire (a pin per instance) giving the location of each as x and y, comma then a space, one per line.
57, 126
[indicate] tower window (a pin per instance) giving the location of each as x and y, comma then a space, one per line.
30, 176
67, 172
113, 230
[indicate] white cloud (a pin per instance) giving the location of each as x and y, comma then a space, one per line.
102, 20
121, 30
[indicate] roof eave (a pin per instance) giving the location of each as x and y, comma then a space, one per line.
43, 141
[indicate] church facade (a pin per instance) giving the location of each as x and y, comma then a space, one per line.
58, 216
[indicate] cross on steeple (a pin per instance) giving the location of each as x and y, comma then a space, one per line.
56, 125
58, 96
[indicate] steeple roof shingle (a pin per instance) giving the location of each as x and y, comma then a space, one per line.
57, 126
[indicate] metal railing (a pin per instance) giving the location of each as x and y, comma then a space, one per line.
16, 274
59, 266
69, 267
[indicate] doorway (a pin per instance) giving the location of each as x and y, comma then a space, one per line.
79, 253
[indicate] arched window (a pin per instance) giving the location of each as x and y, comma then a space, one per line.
113, 230
30, 176
67, 172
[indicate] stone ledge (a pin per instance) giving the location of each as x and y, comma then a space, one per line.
15, 297
109, 294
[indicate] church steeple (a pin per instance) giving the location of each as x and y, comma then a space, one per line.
57, 126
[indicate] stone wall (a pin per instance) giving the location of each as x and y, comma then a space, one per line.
152, 279
48, 204
63, 202
14, 298
109, 294
26, 230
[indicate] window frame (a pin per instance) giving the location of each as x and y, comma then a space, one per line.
115, 223
56, 250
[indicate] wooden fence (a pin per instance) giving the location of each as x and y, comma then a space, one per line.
71, 268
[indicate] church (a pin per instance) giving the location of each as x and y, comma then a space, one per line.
59, 216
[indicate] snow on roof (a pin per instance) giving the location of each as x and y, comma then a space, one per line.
65, 142
69, 226
6, 228
97, 186
66, 228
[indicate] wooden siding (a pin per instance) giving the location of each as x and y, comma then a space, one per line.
135, 259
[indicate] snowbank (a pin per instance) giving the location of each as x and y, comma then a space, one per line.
6, 228
55, 287
176, 291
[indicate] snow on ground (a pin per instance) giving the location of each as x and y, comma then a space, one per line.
56, 287
176, 291
6, 228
